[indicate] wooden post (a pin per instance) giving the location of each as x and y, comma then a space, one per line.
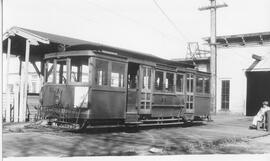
20, 91
24, 85
1, 62
213, 59
17, 95
7, 86
213, 62
16, 103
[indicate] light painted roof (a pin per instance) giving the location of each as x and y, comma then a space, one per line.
260, 38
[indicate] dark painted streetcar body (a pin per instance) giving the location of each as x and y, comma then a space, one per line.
93, 87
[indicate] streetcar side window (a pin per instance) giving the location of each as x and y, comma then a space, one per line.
101, 72
49, 71
169, 82
79, 70
117, 75
159, 83
179, 83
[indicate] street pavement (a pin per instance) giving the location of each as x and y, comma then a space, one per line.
226, 134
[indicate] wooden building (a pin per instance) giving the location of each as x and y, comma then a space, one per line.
243, 72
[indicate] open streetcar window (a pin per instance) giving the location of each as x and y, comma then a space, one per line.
61, 71
49, 71
169, 82
179, 83
117, 75
79, 70
159, 81
101, 72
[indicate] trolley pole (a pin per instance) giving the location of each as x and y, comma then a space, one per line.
213, 48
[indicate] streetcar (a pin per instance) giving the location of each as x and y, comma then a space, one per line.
94, 85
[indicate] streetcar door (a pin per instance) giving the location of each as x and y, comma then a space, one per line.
146, 79
133, 88
190, 93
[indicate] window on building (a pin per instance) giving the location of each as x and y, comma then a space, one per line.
79, 70
179, 82
169, 82
159, 81
117, 74
199, 84
101, 72
49, 71
61, 72
225, 94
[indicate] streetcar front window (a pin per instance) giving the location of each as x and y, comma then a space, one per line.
79, 71
101, 72
49, 71
61, 72
117, 75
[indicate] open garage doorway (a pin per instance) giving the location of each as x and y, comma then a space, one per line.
258, 90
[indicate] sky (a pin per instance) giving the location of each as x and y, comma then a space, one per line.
138, 24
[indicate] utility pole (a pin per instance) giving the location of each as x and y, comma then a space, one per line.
213, 49
1, 69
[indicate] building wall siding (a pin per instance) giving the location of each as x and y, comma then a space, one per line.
231, 65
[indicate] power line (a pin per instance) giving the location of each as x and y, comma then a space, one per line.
170, 20
167, 35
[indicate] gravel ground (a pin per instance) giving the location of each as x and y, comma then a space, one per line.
225, 135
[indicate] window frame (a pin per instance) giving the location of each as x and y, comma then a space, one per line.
90, 74
124, 74
203, 92
227, 108
173, 86
203, 84
163, 74
110, 62
183, 83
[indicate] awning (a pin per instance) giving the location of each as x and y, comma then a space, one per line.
43, 43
